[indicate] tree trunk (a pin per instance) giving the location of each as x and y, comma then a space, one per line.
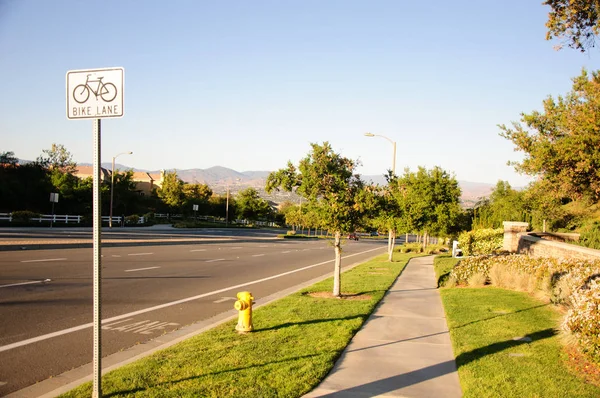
406, 239
424, 240
392, 243
338, 265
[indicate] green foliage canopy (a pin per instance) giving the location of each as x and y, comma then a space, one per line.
428, 201
251, 206
562, 143
576, 21
171, 191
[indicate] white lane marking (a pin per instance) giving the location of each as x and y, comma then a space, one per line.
198, 250
237, 247
224, 299
287, 251
263, 246
165, 305
26, 283
139, 254
140, 269
216, 259
45, 259
115, 255
257, 255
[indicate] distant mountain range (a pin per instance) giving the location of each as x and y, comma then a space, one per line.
219, 178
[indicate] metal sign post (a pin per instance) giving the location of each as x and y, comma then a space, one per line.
97, 212
53, 199
96, 94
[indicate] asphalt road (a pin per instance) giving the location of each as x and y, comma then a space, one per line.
46, 295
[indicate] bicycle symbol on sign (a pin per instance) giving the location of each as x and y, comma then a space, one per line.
107, 91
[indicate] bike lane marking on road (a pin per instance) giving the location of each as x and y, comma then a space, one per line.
42, 260
169, 304
140, 269
139, 254
142, 327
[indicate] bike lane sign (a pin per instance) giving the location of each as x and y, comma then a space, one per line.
95, 93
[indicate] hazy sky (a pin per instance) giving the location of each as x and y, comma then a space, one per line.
250, 84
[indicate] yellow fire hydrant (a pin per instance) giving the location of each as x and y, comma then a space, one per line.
244, 306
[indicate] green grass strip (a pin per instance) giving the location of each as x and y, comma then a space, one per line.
442, 265
296, 342
491, 363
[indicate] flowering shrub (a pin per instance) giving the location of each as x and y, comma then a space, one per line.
583, 319
481, 241
471, 266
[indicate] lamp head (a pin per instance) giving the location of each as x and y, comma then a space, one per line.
369, 135
130, 153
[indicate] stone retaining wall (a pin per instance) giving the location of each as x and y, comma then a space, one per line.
539, 247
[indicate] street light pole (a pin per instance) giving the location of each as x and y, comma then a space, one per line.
112, 185
393, 143
392, 232
227, 208
227, 204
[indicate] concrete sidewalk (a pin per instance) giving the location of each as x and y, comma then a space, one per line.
404, 349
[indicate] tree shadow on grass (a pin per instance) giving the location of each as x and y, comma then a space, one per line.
473, 355
363, 318
200, 376
500, 315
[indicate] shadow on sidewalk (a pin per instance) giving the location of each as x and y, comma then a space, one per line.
393, 383
396, 382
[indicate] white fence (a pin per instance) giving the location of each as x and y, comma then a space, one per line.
65, 218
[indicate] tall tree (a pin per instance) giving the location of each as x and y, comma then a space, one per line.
58, 158
251, 206
8, 159
562, 143
328, 181
171, 191
196, 194
503, 204
574, 21
429, 201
